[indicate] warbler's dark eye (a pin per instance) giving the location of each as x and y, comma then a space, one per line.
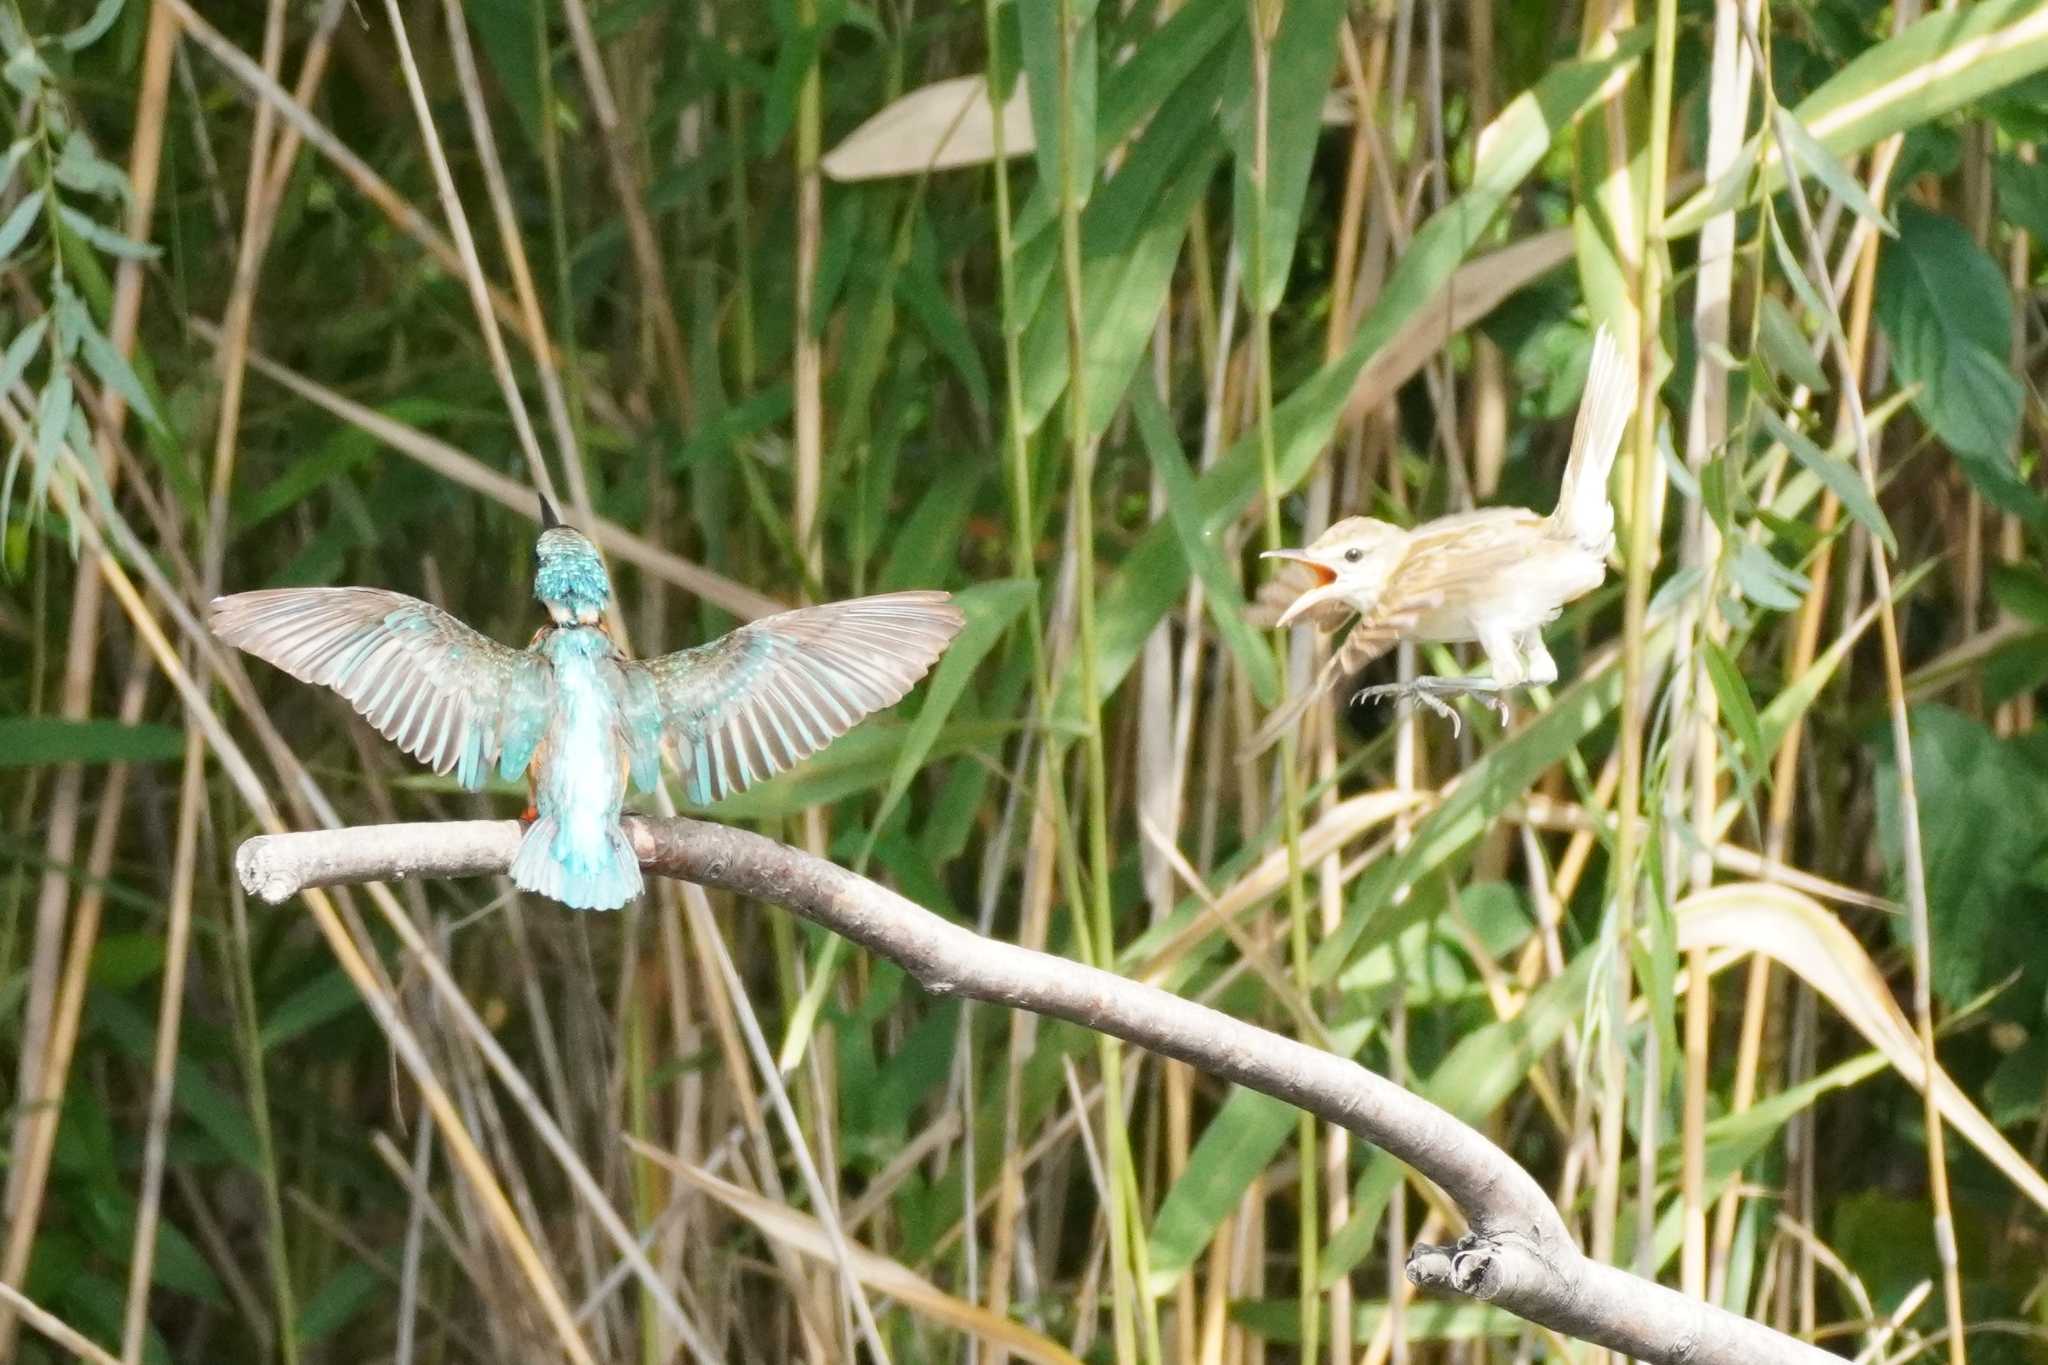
1353, 555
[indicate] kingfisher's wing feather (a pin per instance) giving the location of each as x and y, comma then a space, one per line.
750, 704
452, 698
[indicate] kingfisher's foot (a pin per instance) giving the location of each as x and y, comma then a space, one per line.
528, 816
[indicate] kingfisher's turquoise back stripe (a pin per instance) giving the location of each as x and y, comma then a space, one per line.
578, 717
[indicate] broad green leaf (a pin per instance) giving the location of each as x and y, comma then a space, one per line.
14, 227
346, 1293
1843, 479
27, 741
1225, 603
1785, 347
1813, 158
1131, 239
1762, 579
2023, 194
323, 998
1738, 712
105, 238
1983, 805
1239, 1142
1053, 99
116, 373
1302, 55
1946, 308
511, 33
2021, 589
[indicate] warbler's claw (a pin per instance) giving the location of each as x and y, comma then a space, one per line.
1412, 691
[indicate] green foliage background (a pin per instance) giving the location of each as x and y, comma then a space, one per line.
1243, 268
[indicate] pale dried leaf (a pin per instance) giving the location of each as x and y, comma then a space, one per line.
936, 127
1799, 934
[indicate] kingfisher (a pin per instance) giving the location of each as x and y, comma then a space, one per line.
579, 717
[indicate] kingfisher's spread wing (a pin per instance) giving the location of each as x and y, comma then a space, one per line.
452, 698
750, 704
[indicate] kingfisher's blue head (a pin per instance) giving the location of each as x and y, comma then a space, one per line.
569, 578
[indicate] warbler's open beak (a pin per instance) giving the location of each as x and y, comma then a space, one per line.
1322, 577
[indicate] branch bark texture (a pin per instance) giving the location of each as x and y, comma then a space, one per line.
1518, 1256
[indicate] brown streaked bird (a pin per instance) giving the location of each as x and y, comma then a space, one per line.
1496, 576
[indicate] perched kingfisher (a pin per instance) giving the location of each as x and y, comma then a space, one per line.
577, 716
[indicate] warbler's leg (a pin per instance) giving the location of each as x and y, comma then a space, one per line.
1510, 670
1419, 689
1542, 668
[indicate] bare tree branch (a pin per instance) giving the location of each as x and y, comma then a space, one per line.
1518, 1256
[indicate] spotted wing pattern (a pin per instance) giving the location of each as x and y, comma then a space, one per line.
452, 698
750, 704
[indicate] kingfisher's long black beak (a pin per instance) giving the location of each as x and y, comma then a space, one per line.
548, 520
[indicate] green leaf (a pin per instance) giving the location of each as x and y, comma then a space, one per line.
81, 168
2023, 194
1244, 1137
28, 741
1131, 239
990, 608
1051, 98
106, 238
14, 228
2021, 589
1945, 307
21, 350
325, 997
1785, 347
1302, 55
1763, 579
1812, 157
1841, 477
116, 373
346, 1293
1983, 805
1738, 711
1221, 596
95, 26
510, 32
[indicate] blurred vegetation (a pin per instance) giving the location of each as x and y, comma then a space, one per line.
1241, 268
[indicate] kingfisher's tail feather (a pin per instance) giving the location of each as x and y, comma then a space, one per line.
1584, 515
603, 876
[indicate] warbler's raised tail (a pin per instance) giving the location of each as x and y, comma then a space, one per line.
584, 864
1583, 513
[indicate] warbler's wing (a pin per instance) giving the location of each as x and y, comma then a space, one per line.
752, 703
452, 698
1468, 559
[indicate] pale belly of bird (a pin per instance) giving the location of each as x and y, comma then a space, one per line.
1525, 596
586, 771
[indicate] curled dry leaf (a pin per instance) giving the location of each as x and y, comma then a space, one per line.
1795, 931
